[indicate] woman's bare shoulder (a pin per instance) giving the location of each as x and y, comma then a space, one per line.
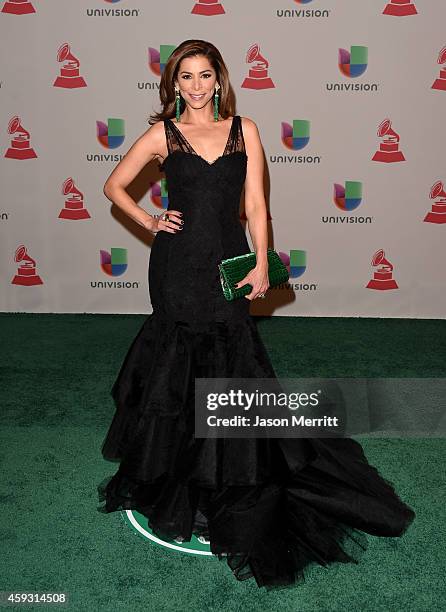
155, 131
153, 139
250, 129
247, 121
249, 124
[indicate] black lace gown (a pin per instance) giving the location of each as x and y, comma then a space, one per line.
270, 507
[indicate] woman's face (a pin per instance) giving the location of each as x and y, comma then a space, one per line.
196, 80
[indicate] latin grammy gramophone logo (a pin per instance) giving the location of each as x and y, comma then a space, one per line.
437, 214
69, 77
400, 8
209, 8
159, 195
158, 59
111, 134
258, 75
353, 63
115, 262
296, 136
74, 202
26, 273
390, 144
440, 82
382, 276
20, 147
349, 196
18, 7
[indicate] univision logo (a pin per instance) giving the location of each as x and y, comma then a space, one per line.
347, 197
353, 64
296, 264
112, 12
302, 13
156, 61
159, 195
114, 263
295, 136
110, 135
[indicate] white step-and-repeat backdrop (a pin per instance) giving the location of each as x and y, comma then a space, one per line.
349, 98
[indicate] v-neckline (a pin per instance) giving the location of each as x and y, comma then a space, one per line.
209, 163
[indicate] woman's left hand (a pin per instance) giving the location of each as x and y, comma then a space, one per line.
258, 278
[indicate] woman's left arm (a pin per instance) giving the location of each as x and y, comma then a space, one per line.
255, 209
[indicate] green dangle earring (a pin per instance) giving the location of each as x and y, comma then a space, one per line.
177, 104
216, 97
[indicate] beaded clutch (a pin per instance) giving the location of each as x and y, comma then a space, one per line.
234, 269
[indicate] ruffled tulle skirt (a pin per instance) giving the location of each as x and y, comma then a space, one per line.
269, 507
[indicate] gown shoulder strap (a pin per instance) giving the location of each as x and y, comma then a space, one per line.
236, 142
174, 138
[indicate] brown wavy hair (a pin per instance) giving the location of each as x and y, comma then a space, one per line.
190, 48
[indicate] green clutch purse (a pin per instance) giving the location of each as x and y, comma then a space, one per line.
234, 269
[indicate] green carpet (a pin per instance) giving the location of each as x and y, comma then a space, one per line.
57, 371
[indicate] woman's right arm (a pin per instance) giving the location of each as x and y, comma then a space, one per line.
144, 150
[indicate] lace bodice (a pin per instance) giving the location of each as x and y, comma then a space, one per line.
176, 141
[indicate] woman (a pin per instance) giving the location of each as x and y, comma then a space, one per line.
268, 506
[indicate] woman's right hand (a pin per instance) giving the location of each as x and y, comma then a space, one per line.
172, 225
